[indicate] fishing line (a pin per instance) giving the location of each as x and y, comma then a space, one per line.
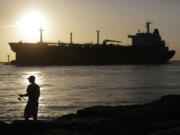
15, 92
19, 97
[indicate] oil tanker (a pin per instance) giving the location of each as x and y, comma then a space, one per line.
146, 48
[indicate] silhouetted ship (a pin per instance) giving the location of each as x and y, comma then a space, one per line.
146, 48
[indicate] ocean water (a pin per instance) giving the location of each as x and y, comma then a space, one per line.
65, 89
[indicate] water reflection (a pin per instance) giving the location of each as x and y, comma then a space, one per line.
37, 74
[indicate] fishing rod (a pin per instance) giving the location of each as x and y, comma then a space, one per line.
19, 97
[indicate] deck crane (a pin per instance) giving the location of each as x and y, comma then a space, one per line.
107, 40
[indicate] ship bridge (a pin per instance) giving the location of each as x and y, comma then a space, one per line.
148, 38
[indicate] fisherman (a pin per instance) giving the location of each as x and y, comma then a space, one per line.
33, 93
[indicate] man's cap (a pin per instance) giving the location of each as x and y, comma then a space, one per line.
31, 77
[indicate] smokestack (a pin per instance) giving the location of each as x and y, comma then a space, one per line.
71, 42
98, 31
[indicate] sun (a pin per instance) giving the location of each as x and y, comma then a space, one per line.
30, 24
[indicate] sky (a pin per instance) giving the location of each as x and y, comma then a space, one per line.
20, 21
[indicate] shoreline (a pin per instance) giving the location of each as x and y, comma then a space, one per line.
152, 118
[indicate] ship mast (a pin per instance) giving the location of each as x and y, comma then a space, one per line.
71, 34
98, 31
148, 26
41, 37
8, 58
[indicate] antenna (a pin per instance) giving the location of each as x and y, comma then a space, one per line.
41, 37
148, 26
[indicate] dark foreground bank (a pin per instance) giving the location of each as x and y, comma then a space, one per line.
155, 118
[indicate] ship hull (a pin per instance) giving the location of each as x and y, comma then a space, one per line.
45, 55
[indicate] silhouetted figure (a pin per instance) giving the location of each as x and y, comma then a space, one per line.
33, 93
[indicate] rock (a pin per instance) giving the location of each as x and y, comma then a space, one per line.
173, 131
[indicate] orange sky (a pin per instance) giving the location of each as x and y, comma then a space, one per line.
114, 18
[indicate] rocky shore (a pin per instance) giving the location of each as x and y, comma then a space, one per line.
161, 117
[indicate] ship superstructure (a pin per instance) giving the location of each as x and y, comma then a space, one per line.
147, 39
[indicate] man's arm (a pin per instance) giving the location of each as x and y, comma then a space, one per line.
27, 93
23, 95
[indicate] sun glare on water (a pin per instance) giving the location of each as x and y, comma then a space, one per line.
37, 75
30, 24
